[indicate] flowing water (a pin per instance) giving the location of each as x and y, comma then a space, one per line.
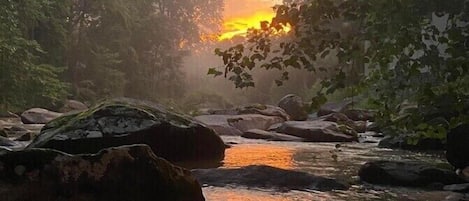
323, 159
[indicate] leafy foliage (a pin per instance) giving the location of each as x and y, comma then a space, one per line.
398, 52
25, 81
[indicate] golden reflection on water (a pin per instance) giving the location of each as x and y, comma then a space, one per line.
259, 154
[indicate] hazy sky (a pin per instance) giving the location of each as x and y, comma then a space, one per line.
242, 8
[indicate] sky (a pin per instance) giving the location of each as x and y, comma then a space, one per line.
239, 15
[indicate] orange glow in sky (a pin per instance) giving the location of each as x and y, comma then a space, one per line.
240, 15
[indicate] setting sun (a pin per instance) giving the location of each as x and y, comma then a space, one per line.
238, 26
241, 15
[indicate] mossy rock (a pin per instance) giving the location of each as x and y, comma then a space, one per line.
173, 136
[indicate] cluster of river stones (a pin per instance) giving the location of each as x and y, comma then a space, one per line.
124, 149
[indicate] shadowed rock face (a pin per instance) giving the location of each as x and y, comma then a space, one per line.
457, 147
171, 136
267, 177
122, 173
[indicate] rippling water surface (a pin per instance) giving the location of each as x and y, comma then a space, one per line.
323, 159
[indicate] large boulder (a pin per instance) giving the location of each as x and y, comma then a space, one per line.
457, 146
123, 122
294, 106
318, 131
73, 105
270, 136
122, 173
237, 124
38, 116
406, 174
261, 176
334, 107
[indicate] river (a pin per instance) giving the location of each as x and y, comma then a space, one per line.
322, 159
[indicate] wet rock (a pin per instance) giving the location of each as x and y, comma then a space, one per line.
267, 177
330, 108
38, 116
122, 173
294, 107
359, 126
359, 114
404, 142
73, 105
270, 136
318, 131
125, 121
457, 148
406, 174
237, 124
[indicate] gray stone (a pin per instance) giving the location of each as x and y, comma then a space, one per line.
318, 131
334, 107
294, 107
73, 105
38, 116
237, 124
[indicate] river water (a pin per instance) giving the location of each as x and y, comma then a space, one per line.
322, 159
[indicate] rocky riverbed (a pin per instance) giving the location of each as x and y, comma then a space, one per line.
321, 159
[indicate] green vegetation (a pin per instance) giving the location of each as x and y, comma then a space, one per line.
410, 58
92, 50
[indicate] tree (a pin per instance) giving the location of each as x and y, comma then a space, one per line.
26, 80
398, 51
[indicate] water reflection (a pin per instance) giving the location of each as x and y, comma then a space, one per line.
259, 154
322, 159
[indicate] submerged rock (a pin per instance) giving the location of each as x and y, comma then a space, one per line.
406, 174
294, 107
270, 136
38, 116
123, 122
318, 131
122, 173
267, 177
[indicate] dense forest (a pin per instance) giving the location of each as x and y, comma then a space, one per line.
91, 50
